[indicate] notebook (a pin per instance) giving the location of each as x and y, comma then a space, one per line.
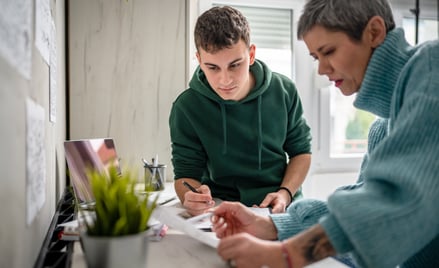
85, 154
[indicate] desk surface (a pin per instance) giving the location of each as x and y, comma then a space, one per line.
174, 250
177, 249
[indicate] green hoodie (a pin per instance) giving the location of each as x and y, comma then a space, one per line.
238, 148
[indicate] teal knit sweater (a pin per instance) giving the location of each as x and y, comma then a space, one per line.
240, 149
392, 217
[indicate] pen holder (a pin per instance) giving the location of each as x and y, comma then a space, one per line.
155, 177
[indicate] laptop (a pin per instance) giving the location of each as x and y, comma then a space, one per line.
86, 154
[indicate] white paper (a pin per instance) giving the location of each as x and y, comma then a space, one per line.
42, 28
171, 217
52, 74
35, 160
16, 34
203, 222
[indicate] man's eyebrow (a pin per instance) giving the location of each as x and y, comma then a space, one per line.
239, 59
215, 65
210, 64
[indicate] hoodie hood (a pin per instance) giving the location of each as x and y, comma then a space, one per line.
262, 75
259, 70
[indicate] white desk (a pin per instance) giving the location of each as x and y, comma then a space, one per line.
177, 249
174, 250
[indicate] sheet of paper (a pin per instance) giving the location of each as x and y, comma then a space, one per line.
35, 160
171, 217
42, 28
52, 74
16, 34
205, 224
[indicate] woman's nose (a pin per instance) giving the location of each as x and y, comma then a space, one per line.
324, 67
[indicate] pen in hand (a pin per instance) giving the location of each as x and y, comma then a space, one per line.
190, 187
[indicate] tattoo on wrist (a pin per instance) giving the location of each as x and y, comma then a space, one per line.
317, 246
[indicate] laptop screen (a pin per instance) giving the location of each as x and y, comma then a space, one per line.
84, 155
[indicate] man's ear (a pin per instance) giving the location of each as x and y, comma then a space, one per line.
252, 54
376, 31
198, 57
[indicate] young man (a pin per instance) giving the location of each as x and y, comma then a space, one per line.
238, 131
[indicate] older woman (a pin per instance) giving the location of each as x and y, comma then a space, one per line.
391, 218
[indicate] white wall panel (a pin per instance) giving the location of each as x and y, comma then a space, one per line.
127, 65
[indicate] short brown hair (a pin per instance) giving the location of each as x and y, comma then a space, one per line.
221, 27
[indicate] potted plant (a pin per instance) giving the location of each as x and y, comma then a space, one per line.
115, 233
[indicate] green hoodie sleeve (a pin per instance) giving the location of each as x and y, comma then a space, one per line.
188, 156
298, 139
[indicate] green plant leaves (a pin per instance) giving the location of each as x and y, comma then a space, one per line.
118, 209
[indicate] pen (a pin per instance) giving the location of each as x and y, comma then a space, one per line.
167, 201
190, 187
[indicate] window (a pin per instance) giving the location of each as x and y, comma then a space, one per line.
428, 20
341, 132
349, 126
428, 29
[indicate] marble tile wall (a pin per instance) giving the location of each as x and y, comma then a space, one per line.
127, 62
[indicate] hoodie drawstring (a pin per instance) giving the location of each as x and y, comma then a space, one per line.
260, 131
223, 115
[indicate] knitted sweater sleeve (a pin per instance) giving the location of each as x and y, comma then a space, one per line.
300, 215
394, 214
377, 132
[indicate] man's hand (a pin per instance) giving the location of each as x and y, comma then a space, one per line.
198, 203
278, 201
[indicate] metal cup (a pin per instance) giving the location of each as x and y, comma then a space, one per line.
155, 177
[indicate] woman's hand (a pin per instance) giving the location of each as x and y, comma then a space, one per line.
233, 217
244, 250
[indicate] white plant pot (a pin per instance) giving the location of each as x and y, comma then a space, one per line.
115, 252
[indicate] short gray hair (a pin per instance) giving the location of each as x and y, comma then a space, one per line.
348, 16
